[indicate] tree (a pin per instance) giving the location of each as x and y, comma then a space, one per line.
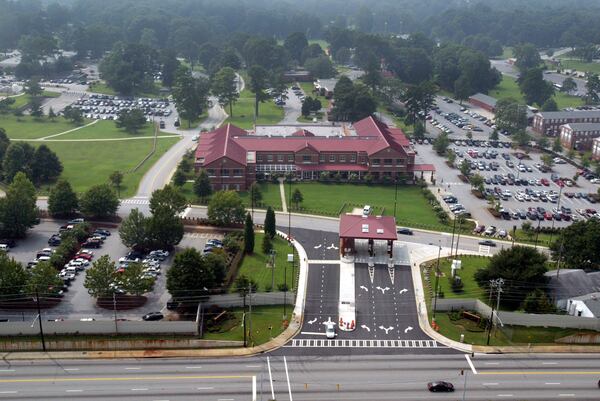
100, 279
543, 142
131, 120
33, 88
258, 83
462, 88
522, 269
134, 231
547, 160
168, 198
510, 115
267, 245
451, 156
441, 143
179, 178
320, 67
165, 230
297, 197
224, 87
243, 283
128, 68
557, 146
116, 179
255, 193
418, 101
13, 278
133, 281
35, 108
43, 279
579, 245
190, 94
17, 158
191, 276
295, 43
45, 165
568, 85
73, 114
538, 302
226, 208
18, 211
593, 89
270, 226
534, 87
521, 138
5, 105
476, 181
99, 201
419, 130
527, 57
202, 187
170, 64
62, 200
51, 114
550, 105
494, 135
465, 168
248, 235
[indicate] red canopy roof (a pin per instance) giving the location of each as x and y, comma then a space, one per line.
371, 227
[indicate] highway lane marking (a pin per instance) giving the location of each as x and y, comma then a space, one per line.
74, 391
566, 395
505, 395
552, 384
270, 378
490, 384
133, 368
139, 389
492, 363
7, 370
254, 388
471, 364
70, 369
8, 392
253, 366
549, 363
84, 379
524, 372
287, 375
313, 333
193, 367
205, 388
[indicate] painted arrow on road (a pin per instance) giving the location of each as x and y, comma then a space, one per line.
362, 287
332, 247
383, 290
366, 328
386, 329
312, 321
402, 291
318, 246
406, 330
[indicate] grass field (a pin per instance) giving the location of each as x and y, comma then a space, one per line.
572, 64
243, 112
509, 88
103, 88
27, 127
470, 264
308, 87
398, 122
262, 318
255, 266
270, 195
90, 163
107, 130
507, 52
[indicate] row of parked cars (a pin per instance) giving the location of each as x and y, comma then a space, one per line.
455, 207
151, 262
105, 107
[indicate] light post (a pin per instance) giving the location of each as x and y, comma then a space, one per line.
290, 207
395, 196
290, 258
37, 301
252, 199
437, 277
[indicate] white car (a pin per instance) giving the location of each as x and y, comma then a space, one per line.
330, 330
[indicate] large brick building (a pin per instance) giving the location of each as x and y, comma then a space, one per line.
549, 122
579, 136
233, 158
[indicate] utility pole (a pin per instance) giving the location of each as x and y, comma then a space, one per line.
537, 233
290, 207
244, 319
395, 196
252, 199
494, 285
453, 231
458, 236
37, 301
560, 254
284, 289
437, 277
250, 312
115, 312
465, 386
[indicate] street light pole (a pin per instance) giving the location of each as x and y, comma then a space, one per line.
437, 277
37, 301
290, 207
395, 197
453, 231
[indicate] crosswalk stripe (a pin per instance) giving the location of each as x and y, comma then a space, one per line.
203, 235
309, 343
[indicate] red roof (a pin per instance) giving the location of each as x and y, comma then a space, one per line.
218, 143
332, 167
303, 132
371, 227
423, 167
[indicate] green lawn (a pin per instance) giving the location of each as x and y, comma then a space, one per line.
573, 64
507, 52
27, 127
90, 163
262, 318
270, 195
543, 238
323, 43
470, 264
509, 88
308, 87
398, 122
108, 130
243, 112
103, 88
255, 266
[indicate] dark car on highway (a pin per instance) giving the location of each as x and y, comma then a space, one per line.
440, 386
153, 316
405, 231
487, 242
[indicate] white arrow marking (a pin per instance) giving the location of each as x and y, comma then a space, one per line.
318, 246
407, 329
386, 329
328, 321
312, 321
402, 291
362, 287
366, 328
383, 290
332, 246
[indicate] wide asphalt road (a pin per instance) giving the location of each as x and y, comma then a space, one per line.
488, 377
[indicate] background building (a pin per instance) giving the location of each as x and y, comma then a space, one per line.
549, 122
579, 136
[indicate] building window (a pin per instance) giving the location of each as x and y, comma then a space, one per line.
225, 172
353, 159
387, 162
259, 158
306, 158
400, 162
290, 158
237, 172
331, 158
322, 158
376, 162
210, 172
269, 158
280, 158
342, 158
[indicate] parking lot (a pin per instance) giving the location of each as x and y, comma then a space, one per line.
520, 185
76, 302
107, 107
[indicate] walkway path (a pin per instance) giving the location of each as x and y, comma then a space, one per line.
68, 131
282, 194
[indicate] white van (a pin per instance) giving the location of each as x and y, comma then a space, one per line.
366, 210
4, 248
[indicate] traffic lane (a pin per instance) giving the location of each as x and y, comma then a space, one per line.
559, 79
322, 298
319, 245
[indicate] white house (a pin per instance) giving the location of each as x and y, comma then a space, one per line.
585, 306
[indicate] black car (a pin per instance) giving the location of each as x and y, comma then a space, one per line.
153, 316
54, 240
405, 231
487, 242
440, 386
102, 231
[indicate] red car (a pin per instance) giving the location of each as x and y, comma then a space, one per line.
545, 182
85, 256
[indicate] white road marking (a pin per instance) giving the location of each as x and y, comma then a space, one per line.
8, 392
253, 366
406, 330
365, 327
74, 391
362, 287
288, 378
225, 399
505, 395
312, 333
490, 384
552, 384
7, 370
549, 363
492, 363
193, 367
312, 321
566, 395
71, 369
270, 378
318, 246
205, 388
139, 389
253, 388
383, 290
133, 368
402, 291
386, 329
471, 364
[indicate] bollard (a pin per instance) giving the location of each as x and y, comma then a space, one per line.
462, 338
